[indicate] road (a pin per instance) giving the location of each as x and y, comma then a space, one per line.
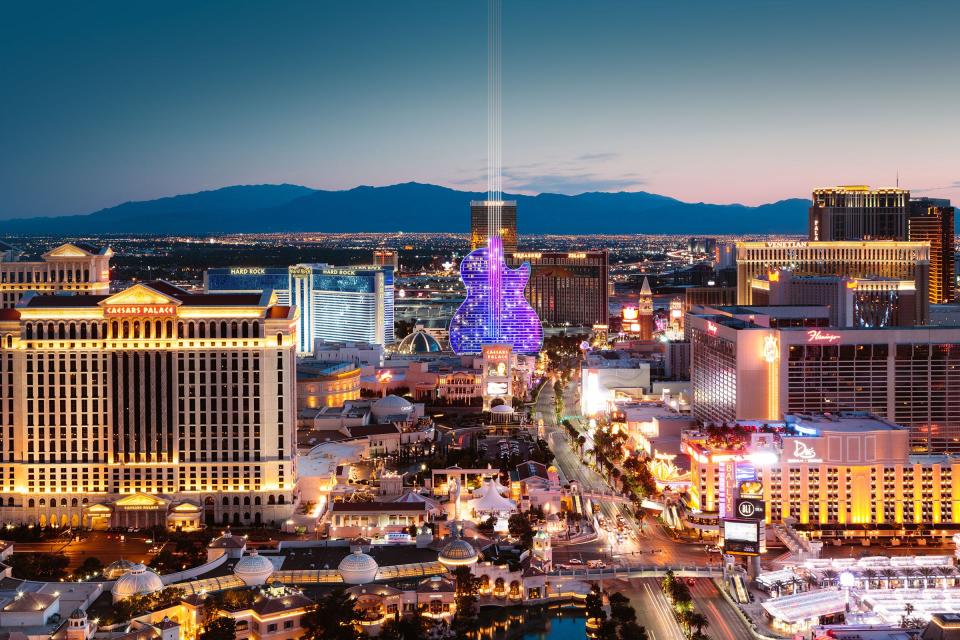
653, 610
648, 543
725, 622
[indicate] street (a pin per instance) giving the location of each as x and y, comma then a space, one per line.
725, 622
653, 609
649, 544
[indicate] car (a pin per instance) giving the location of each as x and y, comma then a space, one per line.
712, 548
575, 561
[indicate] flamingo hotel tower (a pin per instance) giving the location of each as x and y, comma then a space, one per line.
153, 406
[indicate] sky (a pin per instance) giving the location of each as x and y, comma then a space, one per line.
739, 101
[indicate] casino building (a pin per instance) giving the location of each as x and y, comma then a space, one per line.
152, 406
566, 287
855, 259
826, 472
747, 365
337, 304
70, 268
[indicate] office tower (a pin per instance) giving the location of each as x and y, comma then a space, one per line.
853, 302
149, 407
744, 369
480, 216
74, 267
337, 304
566, 287
931, 220
387, 258
645, 311
887, 259
858, 213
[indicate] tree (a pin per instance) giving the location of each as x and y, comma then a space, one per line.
90, 565
334, 617
467, 587
220, 628
521, 529
45, 567
633, 631
594, 603
695, 620
412, 627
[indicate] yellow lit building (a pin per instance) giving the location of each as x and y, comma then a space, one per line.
70, 268
326, 384
152, 406
826, 473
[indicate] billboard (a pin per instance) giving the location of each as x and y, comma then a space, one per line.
741, 537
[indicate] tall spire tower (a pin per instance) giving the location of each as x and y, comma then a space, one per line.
645, 311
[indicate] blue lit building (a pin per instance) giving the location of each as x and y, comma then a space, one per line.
337, 304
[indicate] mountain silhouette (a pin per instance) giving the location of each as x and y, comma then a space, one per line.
414, 207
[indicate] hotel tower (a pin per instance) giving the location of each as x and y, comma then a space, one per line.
149, 407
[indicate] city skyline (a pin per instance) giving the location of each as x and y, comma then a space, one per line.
707, 103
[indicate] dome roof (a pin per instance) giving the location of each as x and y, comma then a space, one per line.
457, 552
358, 568
78, 614
391, 406
501, 408
139, 581
117, 568
420, 341
253, 569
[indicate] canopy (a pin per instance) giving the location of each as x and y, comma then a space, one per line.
490, 500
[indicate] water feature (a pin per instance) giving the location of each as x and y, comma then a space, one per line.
555, 622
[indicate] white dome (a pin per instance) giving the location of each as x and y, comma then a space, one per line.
138, 581
391, 406
253, 569
502, 408
358, 568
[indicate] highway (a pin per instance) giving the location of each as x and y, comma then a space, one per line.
725, 622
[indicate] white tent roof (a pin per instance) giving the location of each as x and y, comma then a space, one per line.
490, 501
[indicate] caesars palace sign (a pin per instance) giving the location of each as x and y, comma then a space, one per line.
129, 310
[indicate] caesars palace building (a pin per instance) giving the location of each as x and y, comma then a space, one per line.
747, 366
149, 407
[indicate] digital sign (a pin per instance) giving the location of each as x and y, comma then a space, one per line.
741, 537
129, 310
751, 489
712, 328
497, 388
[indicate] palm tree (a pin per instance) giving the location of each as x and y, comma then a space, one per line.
870, 575
830, 576
695, 620
926, 573
945, 572
889, 574
778, 585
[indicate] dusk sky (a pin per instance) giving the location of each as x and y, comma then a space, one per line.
103, 102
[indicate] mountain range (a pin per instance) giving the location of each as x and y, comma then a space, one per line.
414, 207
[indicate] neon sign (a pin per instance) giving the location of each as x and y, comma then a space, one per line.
630, 313
140, 310
802, 452
771, 349
786, 245
815, 335
712, 328
248, 271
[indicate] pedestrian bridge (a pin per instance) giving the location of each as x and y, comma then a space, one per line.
641, 571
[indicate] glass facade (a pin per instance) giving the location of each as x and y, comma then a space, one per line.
337, 304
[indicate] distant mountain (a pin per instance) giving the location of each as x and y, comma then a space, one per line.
415, 207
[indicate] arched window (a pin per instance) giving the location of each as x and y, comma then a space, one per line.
256, 501
43, 502
271, 500
226, 501
236, 501
31, 503
73, 502
246, 501
279, 339
281, 500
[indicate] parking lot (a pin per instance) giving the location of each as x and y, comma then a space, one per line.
499, 449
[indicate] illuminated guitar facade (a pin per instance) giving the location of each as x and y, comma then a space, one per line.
495, 311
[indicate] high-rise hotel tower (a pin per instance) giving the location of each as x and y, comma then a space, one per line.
149, 407
480, 212
70, 268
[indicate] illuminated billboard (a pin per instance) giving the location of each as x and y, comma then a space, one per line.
741, 537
